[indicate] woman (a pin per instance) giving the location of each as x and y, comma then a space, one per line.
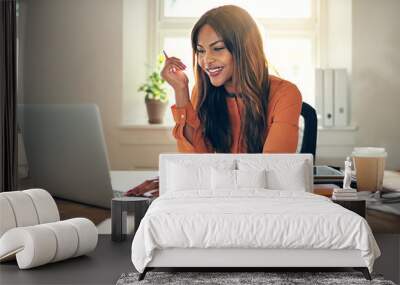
236, 106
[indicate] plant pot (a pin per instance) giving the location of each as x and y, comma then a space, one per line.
155, 110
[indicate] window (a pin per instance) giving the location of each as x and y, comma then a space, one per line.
290, 30
258, 8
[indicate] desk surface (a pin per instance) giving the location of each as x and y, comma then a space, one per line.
125, 180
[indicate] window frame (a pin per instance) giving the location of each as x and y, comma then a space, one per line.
314, 27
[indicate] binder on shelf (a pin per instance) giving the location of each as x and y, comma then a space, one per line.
328, 119
341, 98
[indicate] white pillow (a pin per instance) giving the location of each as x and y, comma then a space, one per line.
251, 178
181, 177
237, 179
223, 179
186, 174
282, 174
291, 180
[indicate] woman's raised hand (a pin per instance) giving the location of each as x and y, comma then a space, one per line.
173, 73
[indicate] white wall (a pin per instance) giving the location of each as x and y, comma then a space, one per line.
135, 55
376, 69
338, 47
72, 52
334, 144
77, 51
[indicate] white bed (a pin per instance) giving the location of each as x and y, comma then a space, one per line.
203, 218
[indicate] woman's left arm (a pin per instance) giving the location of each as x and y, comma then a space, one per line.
283, 133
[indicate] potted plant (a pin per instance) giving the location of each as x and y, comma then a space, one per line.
156, 97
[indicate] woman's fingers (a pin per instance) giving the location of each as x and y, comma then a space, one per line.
173, 67
170, 72
176, 61
178, 65
173, 72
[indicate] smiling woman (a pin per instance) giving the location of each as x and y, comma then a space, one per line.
214, 58
236, 106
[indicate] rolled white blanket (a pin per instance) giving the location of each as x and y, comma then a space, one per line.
24, 211
40, 244
66, 237
45, 206
31, 231
26, 208
7, 218
87, 235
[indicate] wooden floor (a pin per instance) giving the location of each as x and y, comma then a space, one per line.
70, 210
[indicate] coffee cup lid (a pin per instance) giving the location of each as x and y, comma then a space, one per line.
369, 152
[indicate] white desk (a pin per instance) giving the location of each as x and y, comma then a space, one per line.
125, 180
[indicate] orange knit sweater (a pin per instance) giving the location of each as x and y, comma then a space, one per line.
284, 107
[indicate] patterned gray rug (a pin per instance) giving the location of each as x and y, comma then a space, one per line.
242, 278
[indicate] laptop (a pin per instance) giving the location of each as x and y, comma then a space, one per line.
67, 155
324, 171
326, 174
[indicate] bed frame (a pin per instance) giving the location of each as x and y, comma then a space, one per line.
256, 258
242, 258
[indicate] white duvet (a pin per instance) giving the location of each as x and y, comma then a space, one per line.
252, 218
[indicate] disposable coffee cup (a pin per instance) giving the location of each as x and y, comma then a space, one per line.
369, 164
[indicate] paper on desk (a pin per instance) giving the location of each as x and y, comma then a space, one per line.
391, 180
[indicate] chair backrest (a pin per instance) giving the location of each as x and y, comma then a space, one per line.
309, 143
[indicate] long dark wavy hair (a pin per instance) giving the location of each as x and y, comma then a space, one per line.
242, 38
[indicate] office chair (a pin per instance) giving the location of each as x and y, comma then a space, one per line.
309, 142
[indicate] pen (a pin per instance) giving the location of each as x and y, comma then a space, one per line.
166, 56
180, 64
